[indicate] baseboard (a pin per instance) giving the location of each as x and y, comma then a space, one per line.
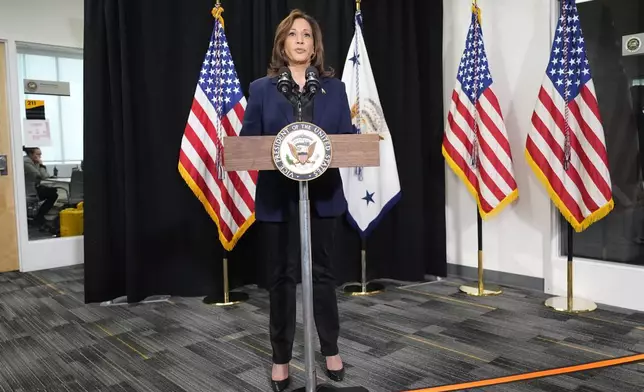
49, 264
52, 253
497, 277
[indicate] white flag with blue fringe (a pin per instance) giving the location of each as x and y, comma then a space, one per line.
370, 191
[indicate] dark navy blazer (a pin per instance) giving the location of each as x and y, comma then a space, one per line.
267, 112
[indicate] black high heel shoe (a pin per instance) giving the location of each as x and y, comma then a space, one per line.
279, 386
335, 375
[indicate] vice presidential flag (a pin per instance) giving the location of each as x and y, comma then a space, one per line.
565, 146
475, 143
218, 110
370, 191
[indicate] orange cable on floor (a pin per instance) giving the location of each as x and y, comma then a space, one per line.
535, 375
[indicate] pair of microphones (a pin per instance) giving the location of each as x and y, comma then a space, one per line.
287, 86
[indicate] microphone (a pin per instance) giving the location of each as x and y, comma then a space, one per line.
312, 84
285, 81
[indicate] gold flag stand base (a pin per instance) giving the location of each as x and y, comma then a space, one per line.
570, 304
234, 298
358, 289
479, 289
474, 290
226, 298
577, 305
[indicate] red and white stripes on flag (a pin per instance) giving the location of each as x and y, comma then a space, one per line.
475, 143
565, 146
218, 110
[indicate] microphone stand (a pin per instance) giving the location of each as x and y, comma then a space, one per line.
299, 100
307, 274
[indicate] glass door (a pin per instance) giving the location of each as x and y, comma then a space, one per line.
48, 119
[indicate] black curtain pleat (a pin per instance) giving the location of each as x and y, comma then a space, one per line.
146, 233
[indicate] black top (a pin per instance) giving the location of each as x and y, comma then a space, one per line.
307, 112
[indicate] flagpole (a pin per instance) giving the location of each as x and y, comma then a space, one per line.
364, 287
568, 304
225, 297
479, 289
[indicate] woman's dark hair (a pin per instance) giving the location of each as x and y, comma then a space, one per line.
29, 150
279, 59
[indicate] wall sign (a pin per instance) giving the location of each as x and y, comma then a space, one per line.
632, 45
36, 133
46, 87
35, 109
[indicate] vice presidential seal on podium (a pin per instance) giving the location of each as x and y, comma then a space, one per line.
302, 151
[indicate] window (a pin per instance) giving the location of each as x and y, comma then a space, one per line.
65, 114
619, 81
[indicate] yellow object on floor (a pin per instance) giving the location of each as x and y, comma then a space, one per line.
71, 221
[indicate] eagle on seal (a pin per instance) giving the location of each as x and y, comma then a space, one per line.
302, 156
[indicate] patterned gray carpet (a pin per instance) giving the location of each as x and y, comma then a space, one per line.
405, 338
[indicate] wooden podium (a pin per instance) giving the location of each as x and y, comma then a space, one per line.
256, 153
242, 153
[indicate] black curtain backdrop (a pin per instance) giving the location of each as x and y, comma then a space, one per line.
146, 233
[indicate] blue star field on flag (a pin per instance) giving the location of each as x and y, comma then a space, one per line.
218, 76
568, 66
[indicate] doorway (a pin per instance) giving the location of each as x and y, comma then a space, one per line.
46, 100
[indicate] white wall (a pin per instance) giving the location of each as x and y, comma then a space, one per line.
51, 22
517, 38
48, 22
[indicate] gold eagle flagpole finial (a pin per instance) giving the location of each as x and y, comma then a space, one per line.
358, 5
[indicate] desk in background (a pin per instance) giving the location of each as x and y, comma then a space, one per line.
57, 180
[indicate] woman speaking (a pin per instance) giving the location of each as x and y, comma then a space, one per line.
298, 45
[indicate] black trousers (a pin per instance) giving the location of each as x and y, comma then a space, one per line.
49, 195
282, 247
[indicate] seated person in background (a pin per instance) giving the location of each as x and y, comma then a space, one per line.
35, 172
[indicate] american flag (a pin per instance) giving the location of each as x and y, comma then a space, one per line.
218, 110
565, 145
475, 143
